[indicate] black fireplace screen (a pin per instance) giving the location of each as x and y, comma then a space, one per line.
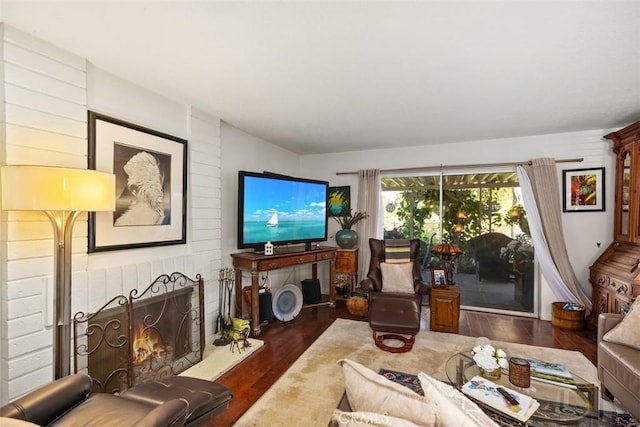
149, 335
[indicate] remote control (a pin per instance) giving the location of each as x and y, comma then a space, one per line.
510, 397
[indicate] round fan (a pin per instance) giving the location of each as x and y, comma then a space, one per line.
287, 302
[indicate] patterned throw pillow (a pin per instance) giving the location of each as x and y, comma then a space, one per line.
369, 392
397, 251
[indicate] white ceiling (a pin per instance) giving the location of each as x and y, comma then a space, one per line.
330, 76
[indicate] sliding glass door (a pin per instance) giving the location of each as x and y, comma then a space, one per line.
474, 225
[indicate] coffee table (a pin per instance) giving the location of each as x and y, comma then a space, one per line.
557, 403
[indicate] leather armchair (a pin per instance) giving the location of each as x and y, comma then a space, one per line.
68, 402
394, 314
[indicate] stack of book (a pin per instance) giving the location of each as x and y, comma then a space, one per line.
553, 373
504, 400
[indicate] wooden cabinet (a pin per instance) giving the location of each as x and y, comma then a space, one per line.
347, 268
445, 309
615, 276
626, 146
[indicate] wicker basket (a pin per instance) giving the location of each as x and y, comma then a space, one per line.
358, 306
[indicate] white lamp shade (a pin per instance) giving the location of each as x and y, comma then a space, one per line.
45, 188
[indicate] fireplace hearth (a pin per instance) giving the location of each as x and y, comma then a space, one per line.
146, 336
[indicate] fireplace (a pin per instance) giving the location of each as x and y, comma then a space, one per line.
149, 335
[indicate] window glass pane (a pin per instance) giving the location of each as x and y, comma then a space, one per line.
479, 213
626, 192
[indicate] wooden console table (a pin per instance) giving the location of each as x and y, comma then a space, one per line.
257, 262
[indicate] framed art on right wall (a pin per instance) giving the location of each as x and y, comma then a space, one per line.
583, 190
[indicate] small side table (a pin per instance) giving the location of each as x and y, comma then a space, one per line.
445, 309
347, 267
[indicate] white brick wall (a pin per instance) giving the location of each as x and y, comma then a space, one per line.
44, 121
204, 196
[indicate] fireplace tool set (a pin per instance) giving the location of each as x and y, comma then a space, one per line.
232, 331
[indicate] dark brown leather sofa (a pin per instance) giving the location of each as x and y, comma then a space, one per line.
69, 401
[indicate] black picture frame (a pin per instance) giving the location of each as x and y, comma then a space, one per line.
583, 190
151, 185
339, 201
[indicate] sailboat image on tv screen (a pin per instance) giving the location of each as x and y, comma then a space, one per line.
273, 221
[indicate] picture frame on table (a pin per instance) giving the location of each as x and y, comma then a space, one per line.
151, 185
583, 190
339, 201
439, 277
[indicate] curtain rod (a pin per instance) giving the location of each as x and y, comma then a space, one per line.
478, 165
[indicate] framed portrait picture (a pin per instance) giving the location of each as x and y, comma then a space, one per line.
151, 185
339, 201
439, 278
583, 190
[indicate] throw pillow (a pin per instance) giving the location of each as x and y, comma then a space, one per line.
367, 419
397, 251
369, 392
454, 408
627, 332
397, 277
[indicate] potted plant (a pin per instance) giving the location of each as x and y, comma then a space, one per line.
347, 238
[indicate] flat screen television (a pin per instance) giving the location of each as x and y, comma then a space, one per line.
280, 209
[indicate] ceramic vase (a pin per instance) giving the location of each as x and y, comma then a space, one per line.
347, 239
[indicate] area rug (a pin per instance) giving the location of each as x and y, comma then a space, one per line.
311, 388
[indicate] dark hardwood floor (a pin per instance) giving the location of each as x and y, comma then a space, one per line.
284, 343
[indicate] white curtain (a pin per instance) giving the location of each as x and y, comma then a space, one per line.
369, 200
541, 198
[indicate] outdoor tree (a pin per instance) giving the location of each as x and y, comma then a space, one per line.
467, 213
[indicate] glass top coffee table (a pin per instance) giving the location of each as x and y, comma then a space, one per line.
558, 404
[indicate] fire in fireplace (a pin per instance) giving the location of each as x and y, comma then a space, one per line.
148, 345
157, 344
151, 358
150, 335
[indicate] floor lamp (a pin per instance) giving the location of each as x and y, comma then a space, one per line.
62, 194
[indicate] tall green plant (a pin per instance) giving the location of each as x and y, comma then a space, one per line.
413, 210
467, 213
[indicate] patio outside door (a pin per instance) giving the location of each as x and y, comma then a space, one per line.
482, 214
